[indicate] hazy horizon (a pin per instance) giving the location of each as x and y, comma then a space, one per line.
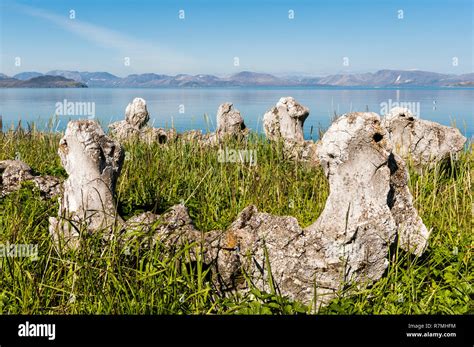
302, 74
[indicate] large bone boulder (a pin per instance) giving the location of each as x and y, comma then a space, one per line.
422, 141
135, 126
285, 120
230, 124
229, 121
93, 162
136, 113
356, 227
369, 203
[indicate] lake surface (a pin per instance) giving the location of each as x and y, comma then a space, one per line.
185, 109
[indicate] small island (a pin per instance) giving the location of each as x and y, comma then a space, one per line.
40, 82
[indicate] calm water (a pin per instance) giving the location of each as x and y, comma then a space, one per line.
186, 108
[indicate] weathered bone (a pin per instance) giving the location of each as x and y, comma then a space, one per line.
136, 113
93, 163
305, 152
425, 142
230, 124
135, 126
14, 172
412, 233
229, 121
285, 120
49, 186
356, 226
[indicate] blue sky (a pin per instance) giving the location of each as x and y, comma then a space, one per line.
259, 33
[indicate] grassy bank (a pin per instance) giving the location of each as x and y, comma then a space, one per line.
96, 280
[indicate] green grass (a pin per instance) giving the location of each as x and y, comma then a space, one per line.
97, 279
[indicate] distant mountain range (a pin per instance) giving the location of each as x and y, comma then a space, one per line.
382, 78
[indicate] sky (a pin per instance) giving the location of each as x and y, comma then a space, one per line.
282, 37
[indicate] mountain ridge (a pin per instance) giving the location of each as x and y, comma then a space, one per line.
380, 78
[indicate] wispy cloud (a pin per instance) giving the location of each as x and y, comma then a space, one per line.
145, 54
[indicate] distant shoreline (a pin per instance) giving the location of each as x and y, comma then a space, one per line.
260, 87
379, 79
